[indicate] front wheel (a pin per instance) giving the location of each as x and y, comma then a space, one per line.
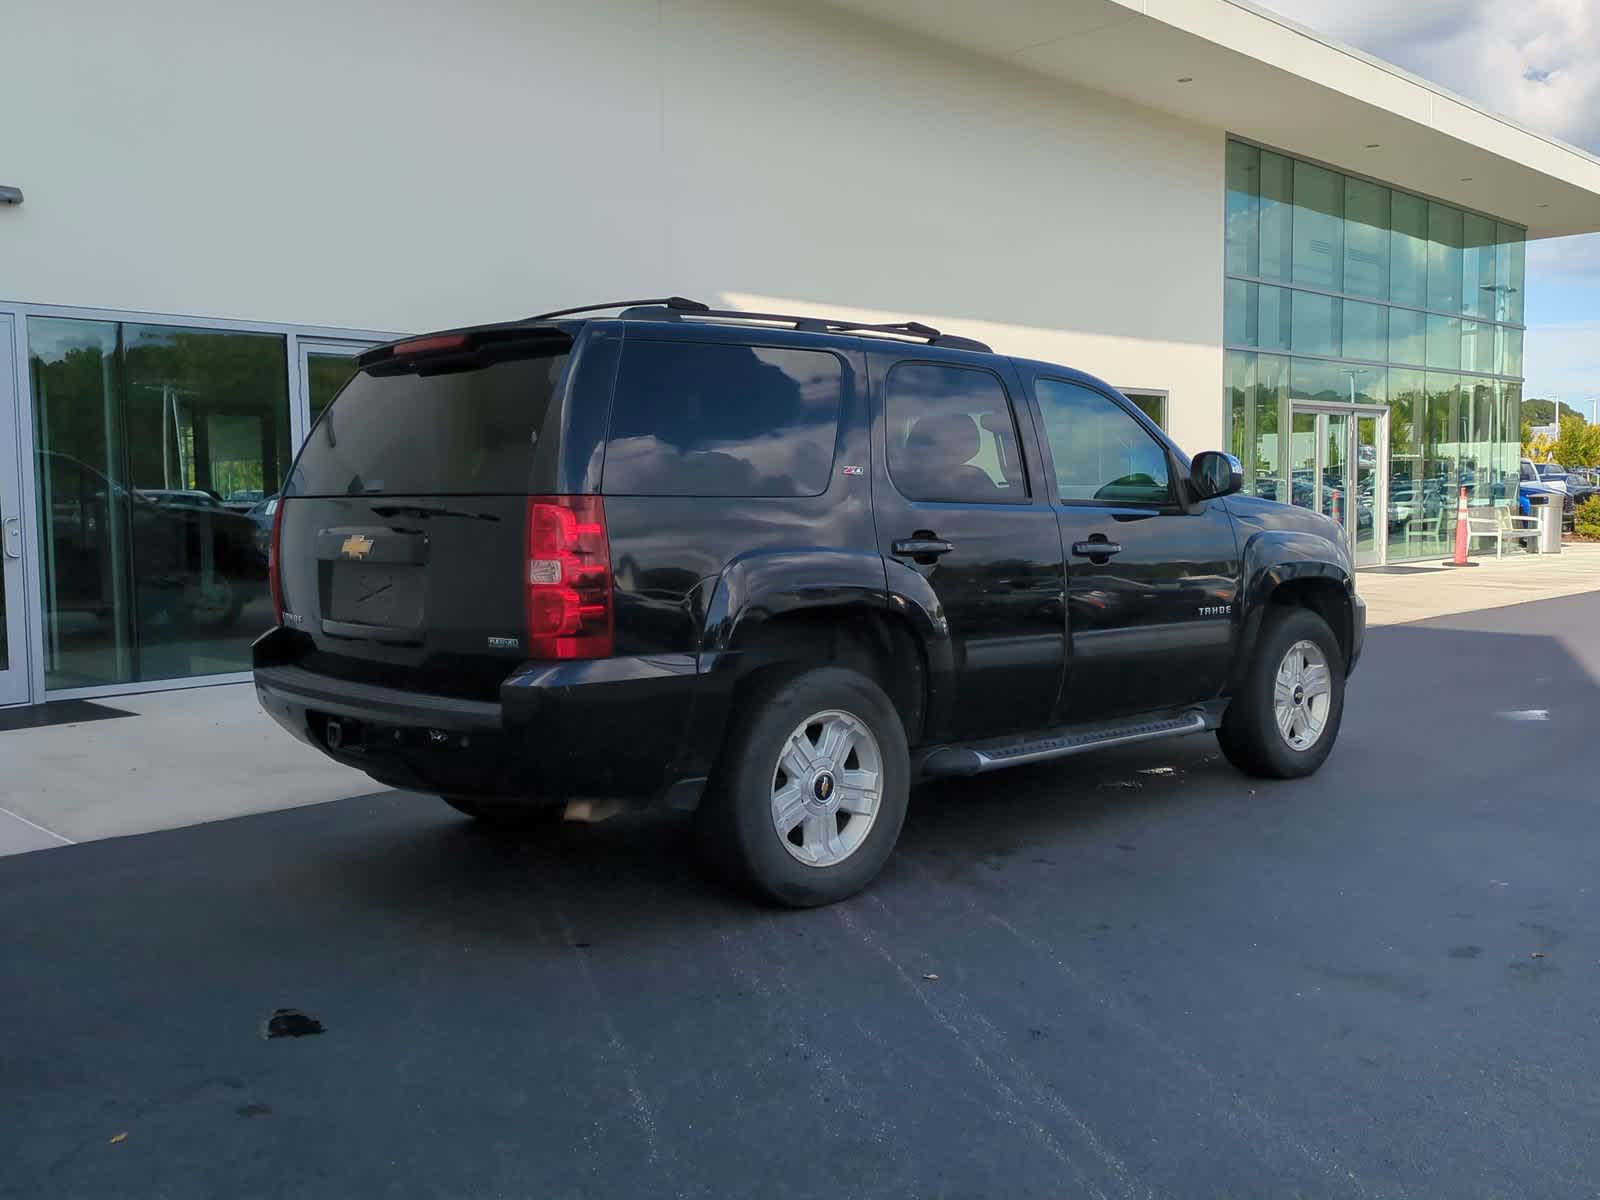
1283, 722
808, 801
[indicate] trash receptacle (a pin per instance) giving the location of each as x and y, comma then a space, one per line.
1547, 509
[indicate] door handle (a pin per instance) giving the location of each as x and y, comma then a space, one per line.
13, 538
923, 549
1096, 548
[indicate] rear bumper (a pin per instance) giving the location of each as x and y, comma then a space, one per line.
611, 727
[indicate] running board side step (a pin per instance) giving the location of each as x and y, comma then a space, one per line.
975, 758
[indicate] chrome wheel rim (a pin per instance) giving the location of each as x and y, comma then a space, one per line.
1302, 695
826, 788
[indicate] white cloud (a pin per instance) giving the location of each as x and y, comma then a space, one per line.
1536, 62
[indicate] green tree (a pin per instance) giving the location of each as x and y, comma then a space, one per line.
1543, 412
1579, 443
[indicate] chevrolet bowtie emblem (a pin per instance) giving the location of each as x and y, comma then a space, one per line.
356, 546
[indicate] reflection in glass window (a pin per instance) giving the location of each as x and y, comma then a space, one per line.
1366, 239
710, 419
1444, 342
1244, 209
1316, 324
1408, 250
1511, 353
325, 375
1318, 227
952, 436
1275, 326
154, 444
1366, 331
1277, 216
1478, 348
1478, 254
1444, 258
1509, 273
1408, 336
1239, 307
1100, 451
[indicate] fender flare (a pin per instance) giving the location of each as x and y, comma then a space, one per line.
1272, 558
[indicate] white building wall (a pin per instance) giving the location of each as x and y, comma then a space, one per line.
388, 164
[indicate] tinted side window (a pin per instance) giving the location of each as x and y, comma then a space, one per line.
711, 419
1100, 451
952, 436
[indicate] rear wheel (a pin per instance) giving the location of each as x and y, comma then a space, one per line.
1285, 719
807, 803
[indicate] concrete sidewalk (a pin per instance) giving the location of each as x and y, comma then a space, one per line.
1418, 591
208, 753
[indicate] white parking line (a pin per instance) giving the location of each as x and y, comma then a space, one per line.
35, 825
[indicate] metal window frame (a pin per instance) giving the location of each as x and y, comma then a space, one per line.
1162, 394
299, 407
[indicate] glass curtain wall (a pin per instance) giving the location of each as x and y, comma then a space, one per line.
154, 444
1341, 289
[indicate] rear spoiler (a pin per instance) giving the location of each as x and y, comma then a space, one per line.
459, 348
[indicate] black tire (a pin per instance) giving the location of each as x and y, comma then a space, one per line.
503, 814
1249, 735
734, 825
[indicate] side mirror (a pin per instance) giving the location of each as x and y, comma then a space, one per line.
1213, 474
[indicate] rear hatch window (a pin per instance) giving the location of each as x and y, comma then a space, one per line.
404, 532
472, 426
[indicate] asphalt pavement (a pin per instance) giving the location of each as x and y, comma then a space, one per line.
1132, 974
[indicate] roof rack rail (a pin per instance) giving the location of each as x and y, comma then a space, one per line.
678, 309
674, 303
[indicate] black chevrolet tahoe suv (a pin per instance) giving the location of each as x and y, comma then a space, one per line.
776, 570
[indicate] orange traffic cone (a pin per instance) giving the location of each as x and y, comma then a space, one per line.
1460, 559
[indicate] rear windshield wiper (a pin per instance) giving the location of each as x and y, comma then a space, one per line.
422, 510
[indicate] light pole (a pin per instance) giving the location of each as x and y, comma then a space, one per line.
1353, 372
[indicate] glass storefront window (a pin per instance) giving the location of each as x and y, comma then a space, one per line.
155, 445
1318, 227
1239, 307
1275, 329
1444, 258
325, 375
1479, 252
1408, 250
1316, 324
1444, 342
1408, 336
1478, 346
1244, 209
1510, 266
1277, 215
1366, 331
1366, 239
1511, 353
1373, 275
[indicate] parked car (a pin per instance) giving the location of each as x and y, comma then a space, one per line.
1533, 482
1582, 483
775, 570
169, 531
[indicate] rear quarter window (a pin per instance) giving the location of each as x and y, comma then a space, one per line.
714, 419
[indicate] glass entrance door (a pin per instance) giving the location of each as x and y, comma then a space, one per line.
13, 644
1338, 454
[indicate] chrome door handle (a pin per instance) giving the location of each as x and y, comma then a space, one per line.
921, 548
1096, 549
13, 538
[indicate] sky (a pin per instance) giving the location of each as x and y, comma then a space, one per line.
1537, 62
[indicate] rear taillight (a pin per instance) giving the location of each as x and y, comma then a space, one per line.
567, 577
274, 565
